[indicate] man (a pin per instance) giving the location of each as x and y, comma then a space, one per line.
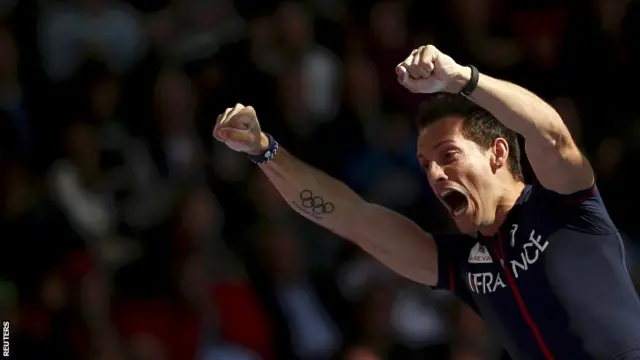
542, 263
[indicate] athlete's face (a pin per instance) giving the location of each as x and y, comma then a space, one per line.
464, 176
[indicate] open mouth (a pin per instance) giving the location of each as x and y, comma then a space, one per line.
455, 201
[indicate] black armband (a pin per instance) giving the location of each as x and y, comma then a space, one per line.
473, 82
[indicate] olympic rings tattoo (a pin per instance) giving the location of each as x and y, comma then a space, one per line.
316, 204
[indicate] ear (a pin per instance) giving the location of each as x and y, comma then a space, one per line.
499, 153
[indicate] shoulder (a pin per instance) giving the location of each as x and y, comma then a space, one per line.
537, 192
582, 210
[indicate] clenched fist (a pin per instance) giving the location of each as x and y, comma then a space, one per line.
427, 70
240, 130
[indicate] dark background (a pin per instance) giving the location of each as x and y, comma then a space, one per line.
127, 233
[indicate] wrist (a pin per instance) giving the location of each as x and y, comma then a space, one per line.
460, 78
263, 146
267, 150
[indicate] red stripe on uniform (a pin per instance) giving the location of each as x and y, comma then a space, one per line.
521, 305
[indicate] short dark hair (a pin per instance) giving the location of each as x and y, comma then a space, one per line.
478, 125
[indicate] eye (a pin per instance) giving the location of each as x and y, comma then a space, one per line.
450, 156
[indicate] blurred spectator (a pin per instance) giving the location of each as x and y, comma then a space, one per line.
175, 144
76, 185
319, 73
418, 317
481, 34
374, 339
40, 298
191, 30
18, 137
127, 233
304, 298
389, 41
74, 31
389, 155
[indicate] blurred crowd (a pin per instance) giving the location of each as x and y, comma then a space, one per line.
126, 233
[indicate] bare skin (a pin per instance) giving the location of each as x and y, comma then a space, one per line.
451, 162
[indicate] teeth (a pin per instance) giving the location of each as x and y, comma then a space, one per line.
445, 193
460, 210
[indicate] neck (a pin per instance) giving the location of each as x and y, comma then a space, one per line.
506, 202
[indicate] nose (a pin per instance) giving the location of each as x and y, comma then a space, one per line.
435, 173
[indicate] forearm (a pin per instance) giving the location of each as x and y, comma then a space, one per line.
391, 238
516, 107
312, 193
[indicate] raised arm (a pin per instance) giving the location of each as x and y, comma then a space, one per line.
393, 239
556, 160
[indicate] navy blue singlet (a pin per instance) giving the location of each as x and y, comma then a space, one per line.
552, 284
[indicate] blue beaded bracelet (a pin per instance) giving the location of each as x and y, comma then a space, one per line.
268, 154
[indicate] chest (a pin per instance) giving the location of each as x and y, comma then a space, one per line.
513, 257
